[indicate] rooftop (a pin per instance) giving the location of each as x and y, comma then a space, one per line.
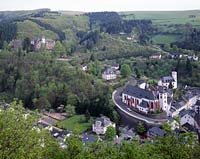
178, 105
109, 71
139, 93
184, 112
168, 79
157, 131
88, 138
104, 121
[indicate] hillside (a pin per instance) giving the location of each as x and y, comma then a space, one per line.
170, 24
167, 27
16, 15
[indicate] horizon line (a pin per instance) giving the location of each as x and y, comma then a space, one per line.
102, 10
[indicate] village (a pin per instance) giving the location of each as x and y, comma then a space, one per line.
140, 101
150, 105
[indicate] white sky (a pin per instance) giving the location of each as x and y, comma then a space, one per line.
101, 5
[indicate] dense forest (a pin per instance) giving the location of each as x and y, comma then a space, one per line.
8, 31
191, 40
44, 83
112, 23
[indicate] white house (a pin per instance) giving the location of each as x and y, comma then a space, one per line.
156, 56
84, 67
169, 80
109, 74
187, 116
101, 124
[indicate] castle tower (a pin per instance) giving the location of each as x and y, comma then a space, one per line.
163, 101
174, 75
43, 40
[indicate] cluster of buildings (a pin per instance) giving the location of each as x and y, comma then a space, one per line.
36, 44
39, 43
180, 56
147, 100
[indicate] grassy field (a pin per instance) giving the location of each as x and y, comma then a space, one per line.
165, 39
165, 17
77, 124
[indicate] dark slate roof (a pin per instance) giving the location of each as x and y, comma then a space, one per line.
144, 104
88, 138
139, 93
109, 71
178, 105
168, 79
157, 131
197, 119
184, 112
189, 95
104, 121
188, 127
198, 102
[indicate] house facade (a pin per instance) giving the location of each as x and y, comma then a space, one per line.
109, 74
101, 124
169, 81
155, 56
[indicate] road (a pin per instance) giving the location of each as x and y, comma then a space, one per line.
116, 97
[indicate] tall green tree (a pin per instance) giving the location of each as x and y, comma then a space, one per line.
19, 139
59, 49
189, 68
125, 70
110, 133
27, 44
70, 110
140, 129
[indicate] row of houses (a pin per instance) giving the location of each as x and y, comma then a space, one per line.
101, 124
192, 57
188, 101
179, 56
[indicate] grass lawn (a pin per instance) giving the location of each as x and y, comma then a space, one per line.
76, 123
164, 39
